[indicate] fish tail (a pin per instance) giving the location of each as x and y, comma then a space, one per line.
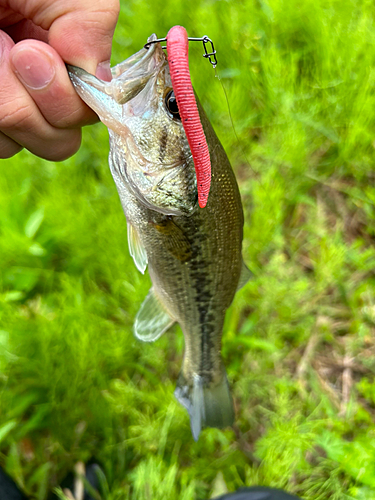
208, 404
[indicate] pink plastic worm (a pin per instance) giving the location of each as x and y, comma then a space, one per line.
178, 60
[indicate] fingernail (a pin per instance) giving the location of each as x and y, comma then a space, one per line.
33, 68
103, 71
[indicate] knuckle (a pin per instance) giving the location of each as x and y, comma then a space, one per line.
64, 118
15, 116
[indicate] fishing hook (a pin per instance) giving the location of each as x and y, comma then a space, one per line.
211, 56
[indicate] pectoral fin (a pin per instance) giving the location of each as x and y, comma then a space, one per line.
246, 274
152, 319
136, 249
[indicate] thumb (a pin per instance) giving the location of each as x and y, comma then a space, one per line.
80, 31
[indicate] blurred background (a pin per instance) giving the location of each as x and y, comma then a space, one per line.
299, 337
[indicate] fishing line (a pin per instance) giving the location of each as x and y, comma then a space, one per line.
242, 149
231, 119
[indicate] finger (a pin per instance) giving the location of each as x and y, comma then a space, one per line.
21, 120
81, 32
43, 74
8, 147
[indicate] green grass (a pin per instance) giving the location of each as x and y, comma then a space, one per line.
299, 338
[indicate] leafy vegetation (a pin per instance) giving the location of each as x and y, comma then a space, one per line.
299, 338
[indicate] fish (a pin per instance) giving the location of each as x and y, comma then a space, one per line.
193, 254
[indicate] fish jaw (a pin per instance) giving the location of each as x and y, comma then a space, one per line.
94, 92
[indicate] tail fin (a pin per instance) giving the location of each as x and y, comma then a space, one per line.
208, 405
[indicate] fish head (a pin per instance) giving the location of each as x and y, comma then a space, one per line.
149, 151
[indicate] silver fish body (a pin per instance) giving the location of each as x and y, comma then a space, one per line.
193, 254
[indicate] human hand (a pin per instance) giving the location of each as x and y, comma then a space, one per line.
39, 108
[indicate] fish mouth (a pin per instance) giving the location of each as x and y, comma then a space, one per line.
129, 78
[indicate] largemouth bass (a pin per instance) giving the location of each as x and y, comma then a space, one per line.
193, 254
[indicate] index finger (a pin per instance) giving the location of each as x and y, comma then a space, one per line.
80, 31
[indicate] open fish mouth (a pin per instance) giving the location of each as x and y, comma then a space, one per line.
129, 78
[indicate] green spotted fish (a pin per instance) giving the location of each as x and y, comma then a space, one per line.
193, 254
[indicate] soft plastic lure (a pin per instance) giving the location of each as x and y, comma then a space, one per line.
178, 60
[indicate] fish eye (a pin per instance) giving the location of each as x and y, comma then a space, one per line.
171, 104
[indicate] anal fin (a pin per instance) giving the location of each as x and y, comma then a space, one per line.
136, 249
152, 319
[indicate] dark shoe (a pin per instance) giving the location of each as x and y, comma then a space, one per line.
258, 493
8, 489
